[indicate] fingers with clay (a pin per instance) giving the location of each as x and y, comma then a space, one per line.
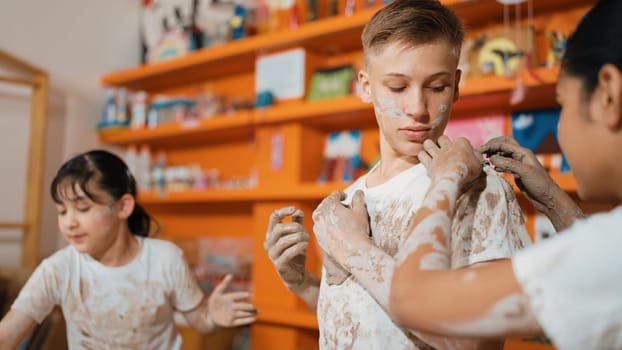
455, 159
340, 229
506, 155
286, 244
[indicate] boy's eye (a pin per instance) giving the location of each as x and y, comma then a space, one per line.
397, 88
438, 88
83, 209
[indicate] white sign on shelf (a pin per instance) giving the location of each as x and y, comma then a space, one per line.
283, 74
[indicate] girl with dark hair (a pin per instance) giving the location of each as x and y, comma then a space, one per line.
118, 288
568, 287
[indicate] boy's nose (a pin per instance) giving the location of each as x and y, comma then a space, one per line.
415, 105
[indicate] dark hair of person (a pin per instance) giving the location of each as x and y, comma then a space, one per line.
596, 41
108, 173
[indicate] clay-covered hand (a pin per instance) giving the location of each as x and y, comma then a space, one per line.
456, 159
337, 226
506, 155
286, 244
229, 309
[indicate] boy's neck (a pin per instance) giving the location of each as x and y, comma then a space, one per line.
388, 168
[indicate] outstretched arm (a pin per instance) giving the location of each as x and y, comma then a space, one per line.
222, 309
14, 328
472, 302
506, 155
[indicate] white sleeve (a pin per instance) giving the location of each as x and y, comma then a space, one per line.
574, 283
42, 290
488, 223
186, 291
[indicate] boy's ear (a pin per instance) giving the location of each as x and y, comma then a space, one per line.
457, 84
365, 87
608, 96
126, 206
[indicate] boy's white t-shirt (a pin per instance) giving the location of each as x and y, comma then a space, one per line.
574, 283
488, 225
127, 307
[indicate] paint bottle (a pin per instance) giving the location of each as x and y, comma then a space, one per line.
238, 21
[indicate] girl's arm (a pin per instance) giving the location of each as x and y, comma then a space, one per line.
14, 328
486, 301
506, 155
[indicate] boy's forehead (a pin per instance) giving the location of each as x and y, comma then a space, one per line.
434, 53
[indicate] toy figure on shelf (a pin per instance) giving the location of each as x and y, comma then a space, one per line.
557, 48
168, 29
500, 56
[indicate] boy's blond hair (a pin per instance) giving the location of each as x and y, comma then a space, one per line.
412, 23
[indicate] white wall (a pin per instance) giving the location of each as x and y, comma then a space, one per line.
76, 41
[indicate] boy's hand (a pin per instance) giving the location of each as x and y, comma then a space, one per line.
227, 309
506, 155
457, 158
336, 225
286, 245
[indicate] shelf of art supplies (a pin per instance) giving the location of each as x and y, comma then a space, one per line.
302, 192
325, 36
305, 191
478, 93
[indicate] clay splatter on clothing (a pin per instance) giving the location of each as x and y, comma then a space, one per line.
490, 227
127, 307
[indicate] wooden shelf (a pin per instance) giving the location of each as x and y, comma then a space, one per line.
482, 93
239, 56
331, 35
307, 191
295, 318
214, 129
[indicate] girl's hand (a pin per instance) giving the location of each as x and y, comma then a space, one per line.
229, 309
455, 159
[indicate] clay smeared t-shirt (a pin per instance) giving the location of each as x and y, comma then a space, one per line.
127, 307
488, 225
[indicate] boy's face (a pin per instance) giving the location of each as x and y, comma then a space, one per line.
412, 90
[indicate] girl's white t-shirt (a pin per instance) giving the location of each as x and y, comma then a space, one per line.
127, 307
488, 225
574, 283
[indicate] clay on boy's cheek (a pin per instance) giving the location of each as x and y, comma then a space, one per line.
388, 108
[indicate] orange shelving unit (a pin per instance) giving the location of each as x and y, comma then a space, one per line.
241, 142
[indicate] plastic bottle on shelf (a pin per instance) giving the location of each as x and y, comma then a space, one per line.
131, 159
139, 110
143, 168
238, 21
263, 16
